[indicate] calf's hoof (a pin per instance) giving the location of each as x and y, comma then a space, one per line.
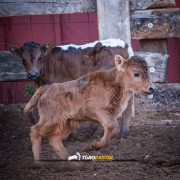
92, 146
88, 148
37, 158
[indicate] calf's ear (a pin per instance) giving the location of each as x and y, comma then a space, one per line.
47, 47
16, 51
119, 61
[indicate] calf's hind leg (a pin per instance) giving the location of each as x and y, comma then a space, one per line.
36, 141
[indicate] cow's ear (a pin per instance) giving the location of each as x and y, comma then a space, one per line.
47, 47
119, 61
16, 51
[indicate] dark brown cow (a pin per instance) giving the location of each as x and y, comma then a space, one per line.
32, 54
99, 96
69, 62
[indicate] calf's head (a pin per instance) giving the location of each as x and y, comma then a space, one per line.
31, 54
135, 74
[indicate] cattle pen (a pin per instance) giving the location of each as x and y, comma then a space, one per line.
152, 147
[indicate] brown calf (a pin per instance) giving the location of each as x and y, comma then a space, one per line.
101, 96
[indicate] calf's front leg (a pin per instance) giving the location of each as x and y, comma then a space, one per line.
109, 124
56, 142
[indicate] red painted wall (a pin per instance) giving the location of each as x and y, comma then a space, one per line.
78, 28
61, 29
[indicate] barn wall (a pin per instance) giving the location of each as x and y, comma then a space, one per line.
78, 28
174, 62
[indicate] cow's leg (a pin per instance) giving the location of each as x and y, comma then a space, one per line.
126, 119
109, 124
90, 131
56, 142
36, 141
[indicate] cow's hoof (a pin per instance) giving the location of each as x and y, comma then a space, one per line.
123, 135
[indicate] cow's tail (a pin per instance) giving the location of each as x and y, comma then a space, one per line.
30, 106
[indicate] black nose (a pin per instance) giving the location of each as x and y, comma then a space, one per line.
33, 75
152, 89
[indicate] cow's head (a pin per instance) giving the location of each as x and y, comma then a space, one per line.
135, 74
32, 54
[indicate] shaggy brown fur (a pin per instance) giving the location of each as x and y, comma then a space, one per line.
100, 96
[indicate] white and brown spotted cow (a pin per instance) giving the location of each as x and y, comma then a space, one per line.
99, 96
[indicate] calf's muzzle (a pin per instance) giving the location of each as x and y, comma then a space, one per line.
152, 89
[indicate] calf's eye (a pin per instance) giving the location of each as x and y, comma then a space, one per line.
136, 74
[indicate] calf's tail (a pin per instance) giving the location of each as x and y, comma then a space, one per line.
29, 108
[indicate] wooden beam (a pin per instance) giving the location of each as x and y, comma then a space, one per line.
11, 68
148, 24
113, 19
159, 62
166, 99
155, 24
148, 4
35, 7
154, 45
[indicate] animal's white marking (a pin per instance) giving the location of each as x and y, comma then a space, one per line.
130, 51
107, 42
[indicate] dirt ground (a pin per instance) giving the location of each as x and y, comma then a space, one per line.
151, 151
